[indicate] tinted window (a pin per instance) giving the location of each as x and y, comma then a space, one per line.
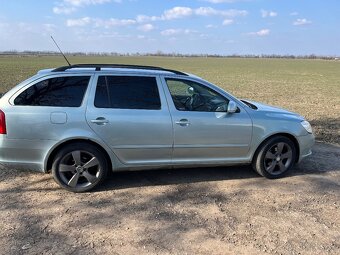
127, 92
192, 96
61, 91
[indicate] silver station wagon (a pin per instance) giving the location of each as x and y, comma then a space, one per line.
82, 121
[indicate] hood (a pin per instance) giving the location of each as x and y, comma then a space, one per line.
272, 111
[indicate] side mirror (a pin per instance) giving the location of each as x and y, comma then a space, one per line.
191, 91
232, 107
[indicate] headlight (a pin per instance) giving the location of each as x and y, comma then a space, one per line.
307, 126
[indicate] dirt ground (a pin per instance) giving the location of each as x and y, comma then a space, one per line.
229, 210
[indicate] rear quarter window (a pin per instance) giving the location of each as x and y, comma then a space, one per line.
66, 91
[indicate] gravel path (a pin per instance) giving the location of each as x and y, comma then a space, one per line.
228, 210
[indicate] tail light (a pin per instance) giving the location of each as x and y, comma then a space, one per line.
2, 123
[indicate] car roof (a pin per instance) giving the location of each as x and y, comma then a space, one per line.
114, 68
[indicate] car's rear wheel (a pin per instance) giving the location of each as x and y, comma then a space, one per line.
275, 157
79, 167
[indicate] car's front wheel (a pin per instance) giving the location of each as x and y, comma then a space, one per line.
275, 157
79, 167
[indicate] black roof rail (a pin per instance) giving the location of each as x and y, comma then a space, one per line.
98, 67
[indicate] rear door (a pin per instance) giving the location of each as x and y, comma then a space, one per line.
131, 115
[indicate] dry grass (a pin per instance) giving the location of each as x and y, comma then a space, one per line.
309, 87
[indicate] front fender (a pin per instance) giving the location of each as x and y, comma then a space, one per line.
263, 128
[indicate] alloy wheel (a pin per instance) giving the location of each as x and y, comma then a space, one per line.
278, 158
79, 169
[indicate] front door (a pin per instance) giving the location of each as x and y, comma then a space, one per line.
203, 130
130, 114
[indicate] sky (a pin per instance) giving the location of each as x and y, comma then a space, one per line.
225, 27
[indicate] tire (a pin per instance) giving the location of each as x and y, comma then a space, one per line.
79, 167
275, 157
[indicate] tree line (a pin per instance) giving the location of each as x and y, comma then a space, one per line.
162, 54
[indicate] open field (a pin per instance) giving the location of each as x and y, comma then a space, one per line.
309, 87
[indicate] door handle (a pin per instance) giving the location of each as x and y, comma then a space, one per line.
183, 122
100, 121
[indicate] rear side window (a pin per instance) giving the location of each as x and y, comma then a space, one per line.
61, 91
127, 92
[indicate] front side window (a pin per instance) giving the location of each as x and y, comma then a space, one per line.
60, 91
192, 96
127, 92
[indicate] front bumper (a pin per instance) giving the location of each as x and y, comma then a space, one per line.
306, 143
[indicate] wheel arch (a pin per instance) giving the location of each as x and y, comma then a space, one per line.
289, 136
53, 152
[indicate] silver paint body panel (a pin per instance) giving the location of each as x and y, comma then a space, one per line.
142, 139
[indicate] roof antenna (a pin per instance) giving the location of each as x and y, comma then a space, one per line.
60, 51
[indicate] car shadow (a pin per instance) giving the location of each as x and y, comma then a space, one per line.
122, 180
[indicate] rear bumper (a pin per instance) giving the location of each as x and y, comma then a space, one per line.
37, 167
23, 153
306, 143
